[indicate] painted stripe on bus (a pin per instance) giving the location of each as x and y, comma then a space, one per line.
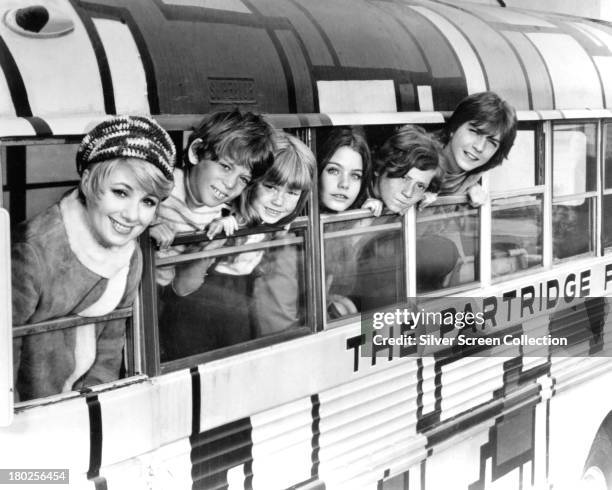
126, 71
575, 84
509, 79
95, 436
603, 62
101, 59
40, 126
17, 104
474, 75
229, 5
536, 72
324, 37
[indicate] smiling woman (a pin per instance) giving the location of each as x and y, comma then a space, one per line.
80, 257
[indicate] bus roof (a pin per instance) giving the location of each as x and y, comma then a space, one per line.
307, 62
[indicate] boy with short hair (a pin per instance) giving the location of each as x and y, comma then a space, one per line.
224, 153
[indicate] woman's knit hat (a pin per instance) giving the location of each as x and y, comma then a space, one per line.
128, 137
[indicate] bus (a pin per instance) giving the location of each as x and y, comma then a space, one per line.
322, 403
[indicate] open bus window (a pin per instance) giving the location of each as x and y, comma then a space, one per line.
607, 191
62, 342
574, 189
363, 265
251, 287
517, 233
447, 247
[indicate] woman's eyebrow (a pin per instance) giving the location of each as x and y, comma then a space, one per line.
121, 183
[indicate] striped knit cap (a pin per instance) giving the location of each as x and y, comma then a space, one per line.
128, 137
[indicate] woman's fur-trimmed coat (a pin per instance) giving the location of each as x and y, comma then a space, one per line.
49, 281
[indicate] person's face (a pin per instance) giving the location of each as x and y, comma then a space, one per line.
274, 202
340, 180
400, 193
122, 211
214, 182
471, 147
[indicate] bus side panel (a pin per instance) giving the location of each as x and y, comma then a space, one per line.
51, 436
573, 425
6, 334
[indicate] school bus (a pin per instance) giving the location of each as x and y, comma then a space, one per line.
322, 404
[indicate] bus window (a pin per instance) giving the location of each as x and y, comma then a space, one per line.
219, 294
70, 351
607, 191
36, 176
447, 246
363, 265
520, 170
517, 195
516, 234
574, 189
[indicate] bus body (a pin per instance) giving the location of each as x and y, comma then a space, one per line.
323, 407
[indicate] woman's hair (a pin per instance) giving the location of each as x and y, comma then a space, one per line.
148, 177
294, 166
409, 147
489, 113
242, 137
352, 137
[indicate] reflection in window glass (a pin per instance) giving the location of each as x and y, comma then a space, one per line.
233, 298
519, 171
516, 241
51, 163
447, 244
40, 199
364, 267
607, 221
47, 363
573, 225
608, 155
574, 159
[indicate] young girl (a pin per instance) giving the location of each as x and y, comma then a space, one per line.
80, 257
345, 171
216, 313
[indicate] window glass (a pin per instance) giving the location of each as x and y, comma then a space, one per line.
38, 176
519, 170
516, 241
573, 225
208, 303
364, 265
69, 358
447, 247
574, 159
607, 221
608, 155
51, 163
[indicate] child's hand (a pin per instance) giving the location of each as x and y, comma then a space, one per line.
162, 234
374, 205
228, 224
190, 275
428, 198
477, 195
